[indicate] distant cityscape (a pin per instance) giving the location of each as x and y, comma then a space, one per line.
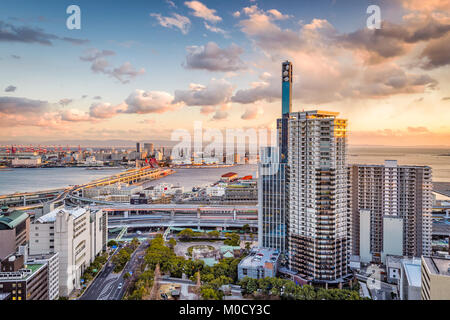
304, 225
56, 156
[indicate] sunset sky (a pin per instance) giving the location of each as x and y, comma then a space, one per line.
137, 70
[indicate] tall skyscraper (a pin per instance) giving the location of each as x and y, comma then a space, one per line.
389, 193
149, 148
138, 147
303, 196
272, 201
286, 90
317, 222
273, 174
286, 108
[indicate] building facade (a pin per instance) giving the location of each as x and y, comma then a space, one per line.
435, 278
14, 231
273, 202
260, 263
317, 220
52, 262
78, 235
24, 281
393, 195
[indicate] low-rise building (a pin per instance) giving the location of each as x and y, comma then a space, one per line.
26, 162
260, 263
230, 176
23, 281
215, 191
14, 231
435, 278
410, 279
405, 273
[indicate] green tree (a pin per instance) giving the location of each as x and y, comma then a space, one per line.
233, 239
208, 293
172, 243
186, 234
134, 243
214, 234
112, 243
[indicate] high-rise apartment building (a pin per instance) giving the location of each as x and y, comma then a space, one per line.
302, 189
398, 203
317, 219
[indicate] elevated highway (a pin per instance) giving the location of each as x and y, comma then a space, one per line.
180, 221
38, 199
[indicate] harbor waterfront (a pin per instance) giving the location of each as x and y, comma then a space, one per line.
36, 179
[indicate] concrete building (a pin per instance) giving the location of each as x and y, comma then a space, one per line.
260, 263
14, 231
318, 227
410, 279
26, 162
364, 237
435, 278
393, 237
52, 262
392, 193
78, 235
149, 148
158, 156
215, 191
23, 281
405, 273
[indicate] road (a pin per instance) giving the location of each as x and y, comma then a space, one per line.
106, 285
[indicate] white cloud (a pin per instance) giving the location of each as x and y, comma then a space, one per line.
211, 57
202, 11
215, 29
178, 21
218, 92
142, 102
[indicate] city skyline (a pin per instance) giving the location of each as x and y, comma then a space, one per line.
137, 71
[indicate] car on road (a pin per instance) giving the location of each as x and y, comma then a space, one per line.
119, 286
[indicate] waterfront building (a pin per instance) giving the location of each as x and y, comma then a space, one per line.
30, 162
391, 210
228, 177
149, 148
78, 235
14, 231
435, 278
